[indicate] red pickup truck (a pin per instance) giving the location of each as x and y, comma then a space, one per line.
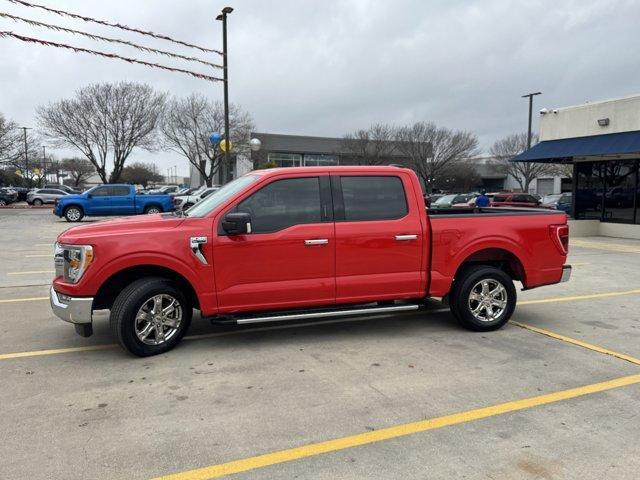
299, 243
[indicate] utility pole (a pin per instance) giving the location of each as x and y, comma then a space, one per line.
26, 155
227, 161
530, 96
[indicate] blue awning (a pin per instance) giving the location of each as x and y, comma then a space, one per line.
563, 150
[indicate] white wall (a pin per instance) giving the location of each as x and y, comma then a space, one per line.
582, 120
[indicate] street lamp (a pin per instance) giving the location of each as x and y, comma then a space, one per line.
255, 144
530, 96
227, 162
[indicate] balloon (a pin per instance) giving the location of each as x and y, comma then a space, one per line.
214, 138
223, 145
255, 144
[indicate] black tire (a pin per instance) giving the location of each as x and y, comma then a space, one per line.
152, 209
460, 302
3, 203
37, 202
73, 214
127, 305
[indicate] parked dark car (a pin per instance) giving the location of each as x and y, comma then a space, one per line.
10, 194
559, 201
6, 199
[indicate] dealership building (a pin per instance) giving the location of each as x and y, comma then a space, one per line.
602, 142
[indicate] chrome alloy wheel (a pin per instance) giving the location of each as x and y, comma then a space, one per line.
153, 210
158, 319
73, 214
488, 300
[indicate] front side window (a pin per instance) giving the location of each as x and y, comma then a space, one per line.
100, 192
373, 198
284, 203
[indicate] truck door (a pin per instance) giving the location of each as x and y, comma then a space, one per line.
100, 201
122, 201
379, 238
288, 259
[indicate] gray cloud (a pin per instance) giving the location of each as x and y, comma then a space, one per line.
328, 67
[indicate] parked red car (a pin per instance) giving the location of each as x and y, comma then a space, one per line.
298, 243
515, 200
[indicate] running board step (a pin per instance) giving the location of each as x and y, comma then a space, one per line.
326, 314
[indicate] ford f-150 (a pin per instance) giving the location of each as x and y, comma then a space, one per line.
300, 243
110, 199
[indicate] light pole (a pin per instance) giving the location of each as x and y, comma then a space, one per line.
227, 162
530, 96
26, 154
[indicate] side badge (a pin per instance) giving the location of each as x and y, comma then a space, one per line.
196, 247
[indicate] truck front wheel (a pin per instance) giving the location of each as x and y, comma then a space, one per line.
73, 214
150, 316
483, 298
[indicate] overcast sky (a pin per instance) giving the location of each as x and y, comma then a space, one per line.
320, 67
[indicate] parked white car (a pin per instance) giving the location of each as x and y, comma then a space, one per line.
183, 202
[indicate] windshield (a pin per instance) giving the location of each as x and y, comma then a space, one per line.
551, 198
445, 199
203, 208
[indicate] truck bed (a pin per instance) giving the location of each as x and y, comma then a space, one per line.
489, 211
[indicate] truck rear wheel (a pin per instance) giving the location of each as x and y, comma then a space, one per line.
483, 298
152, 209
150, 316
73, 214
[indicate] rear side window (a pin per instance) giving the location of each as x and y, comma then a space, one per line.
119, 191
373, 198
499, 198
284, 203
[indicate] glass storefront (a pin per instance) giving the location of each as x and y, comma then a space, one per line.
299, 160
608, 191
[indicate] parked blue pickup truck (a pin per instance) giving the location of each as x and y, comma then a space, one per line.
110, 200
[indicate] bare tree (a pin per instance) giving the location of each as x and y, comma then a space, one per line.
9, 139
187, 124
372, 146
141, 173
432, 149
78, 169
105, 120
524, 172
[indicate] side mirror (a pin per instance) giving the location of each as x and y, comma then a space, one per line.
89, 195
237, 223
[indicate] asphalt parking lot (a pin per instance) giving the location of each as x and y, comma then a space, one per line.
553, 395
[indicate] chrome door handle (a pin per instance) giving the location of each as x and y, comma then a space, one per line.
402, 238
317, 241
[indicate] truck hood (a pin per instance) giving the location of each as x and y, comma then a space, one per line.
119, 226
73, 196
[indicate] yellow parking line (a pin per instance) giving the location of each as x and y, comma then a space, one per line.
16, 300
612, 247
579, 297
336, 444
31, 273
579, 343
54, 351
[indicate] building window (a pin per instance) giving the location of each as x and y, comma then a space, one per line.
316, 160
608, 191
285, 159
620, 194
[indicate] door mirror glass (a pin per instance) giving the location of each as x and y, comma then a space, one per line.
237, 223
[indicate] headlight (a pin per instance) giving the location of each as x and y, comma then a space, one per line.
72, 261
